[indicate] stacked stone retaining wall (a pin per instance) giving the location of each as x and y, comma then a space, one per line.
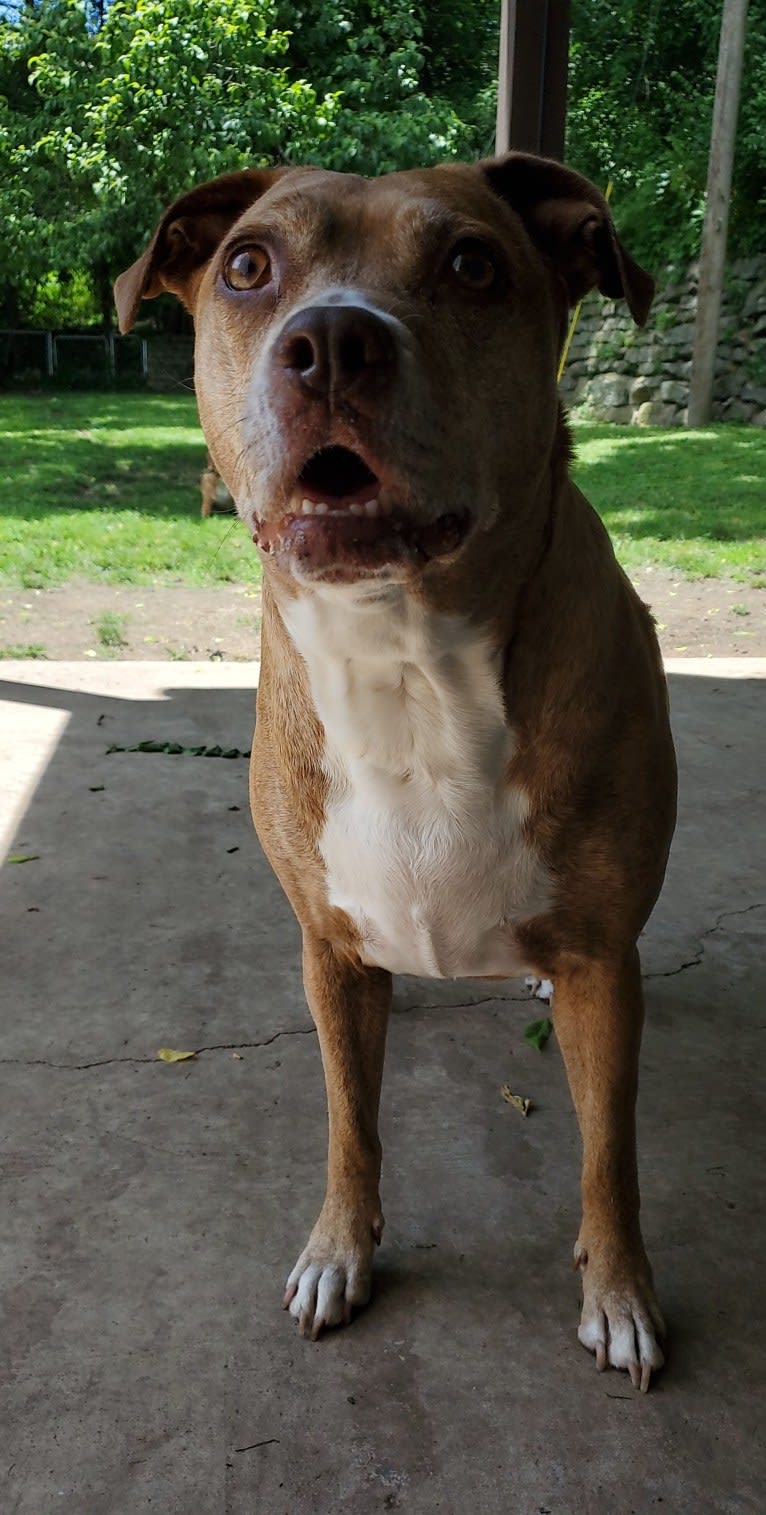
617, 371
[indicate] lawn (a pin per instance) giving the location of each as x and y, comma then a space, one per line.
105, 487
694, 501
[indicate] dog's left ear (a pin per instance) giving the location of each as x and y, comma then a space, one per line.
569, 220
186, 238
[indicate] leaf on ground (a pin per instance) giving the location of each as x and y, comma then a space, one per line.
175, 748
23, 857
537, 1033
519, 1101
170, 1055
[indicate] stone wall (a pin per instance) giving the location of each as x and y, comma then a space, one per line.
617, 371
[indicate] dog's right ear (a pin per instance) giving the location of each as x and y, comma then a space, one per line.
186, 238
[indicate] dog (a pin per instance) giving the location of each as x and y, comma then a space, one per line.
462, 764
215, 495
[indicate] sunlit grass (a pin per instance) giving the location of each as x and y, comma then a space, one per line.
694, 501
106, 488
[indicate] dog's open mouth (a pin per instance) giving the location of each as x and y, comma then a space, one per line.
344, 524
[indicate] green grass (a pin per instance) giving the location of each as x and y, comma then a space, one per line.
105, 487
111, 628
694, 501
24, 650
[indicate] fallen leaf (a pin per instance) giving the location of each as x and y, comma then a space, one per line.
519, 1101
169, 1055
537, 1033
23, 857
237, 1056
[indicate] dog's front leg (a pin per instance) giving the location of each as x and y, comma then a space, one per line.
350, 1006
598, 1016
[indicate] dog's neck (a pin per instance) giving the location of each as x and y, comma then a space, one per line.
400, 689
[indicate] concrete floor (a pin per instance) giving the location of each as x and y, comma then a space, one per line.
152, 1211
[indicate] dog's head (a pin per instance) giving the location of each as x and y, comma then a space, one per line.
376, 359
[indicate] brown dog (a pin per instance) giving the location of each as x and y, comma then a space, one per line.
462, 764
215, 495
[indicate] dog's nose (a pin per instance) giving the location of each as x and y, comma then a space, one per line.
342, 350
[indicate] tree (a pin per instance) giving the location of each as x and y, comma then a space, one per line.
116, 120
642, 80
109, 110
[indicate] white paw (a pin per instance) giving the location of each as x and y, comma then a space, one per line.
323, 1289
541, 988
622, 1327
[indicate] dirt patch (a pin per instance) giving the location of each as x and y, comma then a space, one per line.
133, 621
695, 617
701, 618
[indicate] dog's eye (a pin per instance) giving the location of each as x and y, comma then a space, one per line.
247, 268
473, 266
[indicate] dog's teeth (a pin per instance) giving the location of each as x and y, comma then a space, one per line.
371, 508
356, 509
307, 506
321, 509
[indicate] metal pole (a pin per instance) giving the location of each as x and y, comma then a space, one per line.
532, 82
713, 251
505, 74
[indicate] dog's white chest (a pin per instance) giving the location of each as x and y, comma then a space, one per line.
423, 842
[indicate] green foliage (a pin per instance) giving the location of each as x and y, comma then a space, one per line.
107, 111
398, 74
642, 82
112, 123
102, 125
61, 299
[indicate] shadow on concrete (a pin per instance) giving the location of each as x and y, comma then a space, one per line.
153, 1210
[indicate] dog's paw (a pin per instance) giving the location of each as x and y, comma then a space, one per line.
331, 1279
540, 988
621, 1323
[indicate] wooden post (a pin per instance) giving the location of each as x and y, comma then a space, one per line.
532, 83
713, 251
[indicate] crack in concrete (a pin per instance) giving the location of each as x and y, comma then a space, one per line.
694, 962
106, 1062
490, 999
472, 1004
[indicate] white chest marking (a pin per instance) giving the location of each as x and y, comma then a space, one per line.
423, 841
